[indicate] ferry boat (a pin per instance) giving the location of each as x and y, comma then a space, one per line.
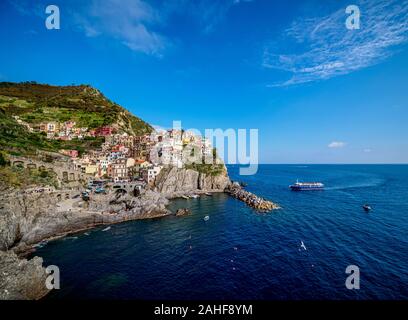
306, 186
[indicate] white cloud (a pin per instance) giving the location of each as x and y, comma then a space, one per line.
337, 144
210, 13
367, 150
329, 49
137, 24
129, 21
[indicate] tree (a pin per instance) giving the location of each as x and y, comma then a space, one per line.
3, 161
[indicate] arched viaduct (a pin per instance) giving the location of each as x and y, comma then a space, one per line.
66, 172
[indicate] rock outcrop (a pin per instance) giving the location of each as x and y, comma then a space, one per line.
175, 182
21, 279
183, 212
26, 219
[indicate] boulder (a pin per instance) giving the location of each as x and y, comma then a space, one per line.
183, 212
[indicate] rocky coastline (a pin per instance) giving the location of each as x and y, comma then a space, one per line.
28, 218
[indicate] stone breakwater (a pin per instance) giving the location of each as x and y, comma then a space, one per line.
252, 200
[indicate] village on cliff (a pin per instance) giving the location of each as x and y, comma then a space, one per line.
125, 158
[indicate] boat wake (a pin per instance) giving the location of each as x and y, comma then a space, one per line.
374, 183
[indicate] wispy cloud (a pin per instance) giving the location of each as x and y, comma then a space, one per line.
241, 1
138, 24
208, 14
329, 49
131, 22
27, 7
337, 144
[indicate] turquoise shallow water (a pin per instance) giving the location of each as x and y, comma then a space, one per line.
240, 254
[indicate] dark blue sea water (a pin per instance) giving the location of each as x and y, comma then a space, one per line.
241, 254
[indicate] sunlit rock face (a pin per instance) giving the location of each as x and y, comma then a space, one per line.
174, 182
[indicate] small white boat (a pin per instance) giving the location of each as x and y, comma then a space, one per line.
206, 218
106, 229
195, 196
208, 194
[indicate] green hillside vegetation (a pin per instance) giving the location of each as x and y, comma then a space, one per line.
207, 169
211, 169
36, 103
17, 177
16, 140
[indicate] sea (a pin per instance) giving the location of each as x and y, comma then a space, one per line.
239, 253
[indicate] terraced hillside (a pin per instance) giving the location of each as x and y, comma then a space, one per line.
37, 103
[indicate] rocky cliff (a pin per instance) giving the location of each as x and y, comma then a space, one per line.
26, 219
174, 182
21, 279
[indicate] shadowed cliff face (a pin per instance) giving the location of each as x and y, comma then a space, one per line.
26, 219
174, 182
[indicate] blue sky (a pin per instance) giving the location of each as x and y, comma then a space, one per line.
317, 92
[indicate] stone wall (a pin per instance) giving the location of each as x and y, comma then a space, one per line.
65, 171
